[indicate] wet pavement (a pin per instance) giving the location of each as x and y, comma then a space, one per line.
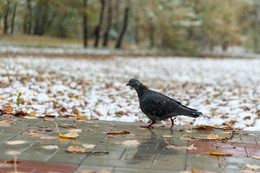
35, 146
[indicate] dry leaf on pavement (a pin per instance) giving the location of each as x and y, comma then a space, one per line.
253, 166
76, 149
204, 128
5, 123
119, 133
87, 146
130, 143
220, 154
50, 147
70, 135
256, 157
167, 136
17, 142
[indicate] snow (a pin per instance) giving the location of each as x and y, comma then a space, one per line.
225, 90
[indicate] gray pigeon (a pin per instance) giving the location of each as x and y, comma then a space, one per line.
158, 106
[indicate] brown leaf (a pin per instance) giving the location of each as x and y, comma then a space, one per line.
33, 113
20, 113
7, 109
220, 154
203, 128
119, 133
76, 149
75, 111
50, 116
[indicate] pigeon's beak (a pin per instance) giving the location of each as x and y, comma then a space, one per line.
128, 84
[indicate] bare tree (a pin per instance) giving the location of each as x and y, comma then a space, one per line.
85, 30
109, 21
13, 18
6, 16
98, 27
122, 32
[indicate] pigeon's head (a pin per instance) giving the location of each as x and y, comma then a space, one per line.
134, 83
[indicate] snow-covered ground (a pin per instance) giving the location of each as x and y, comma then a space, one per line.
225, 90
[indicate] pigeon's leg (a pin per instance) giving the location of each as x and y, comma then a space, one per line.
172, 122
149, 126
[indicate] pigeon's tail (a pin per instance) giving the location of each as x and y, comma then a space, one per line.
184, 110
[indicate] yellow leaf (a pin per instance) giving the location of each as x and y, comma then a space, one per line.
33, 113
70, 135
215, 137
252, 166
220, 154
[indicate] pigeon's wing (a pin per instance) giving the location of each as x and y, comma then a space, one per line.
156, 104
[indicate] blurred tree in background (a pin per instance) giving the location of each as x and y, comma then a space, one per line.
179, 26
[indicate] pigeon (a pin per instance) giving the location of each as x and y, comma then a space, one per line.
158, 106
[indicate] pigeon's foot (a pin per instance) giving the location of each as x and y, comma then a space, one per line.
147, 127
172, 120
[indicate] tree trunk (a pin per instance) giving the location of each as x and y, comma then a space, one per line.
109, 20
29, 22
98, 27
6, 17
122, 32
85, 31
13, 18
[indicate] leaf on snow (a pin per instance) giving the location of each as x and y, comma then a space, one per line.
70, 135
7, 109
220, 154
33, 113
119, 133
191, 147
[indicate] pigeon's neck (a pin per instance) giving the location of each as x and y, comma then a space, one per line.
140, 90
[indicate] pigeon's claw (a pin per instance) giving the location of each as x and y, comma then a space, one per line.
149, 126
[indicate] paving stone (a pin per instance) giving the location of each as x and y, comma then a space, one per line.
202, 162
248, 139
132, 170
93, 168
169, 162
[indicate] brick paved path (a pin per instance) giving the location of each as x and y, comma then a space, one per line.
22, 149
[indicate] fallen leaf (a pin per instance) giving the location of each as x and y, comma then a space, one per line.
191, 147
111, 136
87, 146
75, 111
13, 153
50, 147
256, 157
20, 113
5, 123
203, 128
119, 133
131, 143
87, 171
30, 117
50, 116
33, 113
215, 137
17, 142
167, 136
76, 149
220, 154
70, 135
75, 130
7, 109
252, 166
